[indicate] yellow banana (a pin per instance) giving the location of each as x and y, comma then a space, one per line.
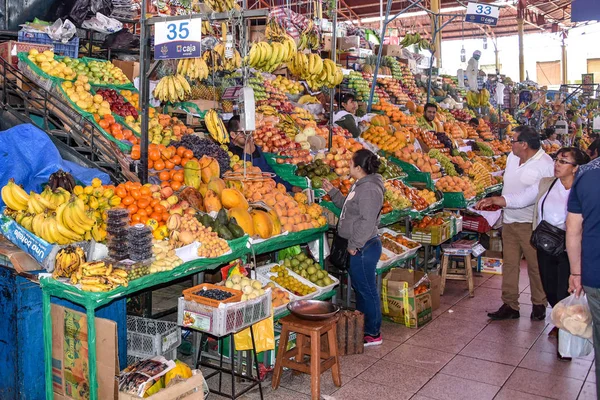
14, 196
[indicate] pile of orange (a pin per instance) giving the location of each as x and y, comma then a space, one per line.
140, 203
165, 160
116, 130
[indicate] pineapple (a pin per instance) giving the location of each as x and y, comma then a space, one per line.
227, 106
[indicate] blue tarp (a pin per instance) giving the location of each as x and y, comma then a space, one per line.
28, 155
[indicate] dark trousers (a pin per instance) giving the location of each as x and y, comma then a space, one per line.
554, 271
593, 296
364, 282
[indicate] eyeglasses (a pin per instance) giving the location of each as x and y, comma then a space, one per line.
564, 162
516, 141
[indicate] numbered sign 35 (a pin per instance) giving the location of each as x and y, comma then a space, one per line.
177, 39
482, 14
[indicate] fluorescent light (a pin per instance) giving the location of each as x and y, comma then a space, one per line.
409, 15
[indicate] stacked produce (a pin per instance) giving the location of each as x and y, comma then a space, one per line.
316, 71
457, 184
418, 202
421, 161
309, 269
98, 276
279, 297
292, 284
360, 87
481, 99
250, 288
444, 162
395, 196
267, 57
287, 86
117, 103
257, 83
67, 261
47, 63
79, 92
99, 72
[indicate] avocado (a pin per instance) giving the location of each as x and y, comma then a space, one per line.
235, 229
223, 232
317, 182
205, 220
222, 217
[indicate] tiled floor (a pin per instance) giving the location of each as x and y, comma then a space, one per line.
460, 355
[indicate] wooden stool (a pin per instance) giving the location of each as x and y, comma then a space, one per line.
459, 274
320, 361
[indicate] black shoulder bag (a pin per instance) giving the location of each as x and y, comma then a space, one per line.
547, 237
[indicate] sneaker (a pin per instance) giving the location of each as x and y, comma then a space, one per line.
372, 340
538, 312
505, 312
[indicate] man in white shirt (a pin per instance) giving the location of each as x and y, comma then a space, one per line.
526, 165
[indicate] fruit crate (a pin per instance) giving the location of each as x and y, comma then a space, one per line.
70, 49
283, 308
190, 295
434, 235
266, 271
456, 200
170, 355
409, 252
149, 337
39, 80
225, 319
476, 223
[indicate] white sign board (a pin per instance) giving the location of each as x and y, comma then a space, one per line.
177, 39
482, 14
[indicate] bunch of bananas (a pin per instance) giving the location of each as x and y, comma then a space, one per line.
416, 39
309, 38
14, 196
67, 261
193, 68
215, 127
97, 276
217, 59
316, 71
308, 99
481, 99
172, 88
267, 57
222, 5
288, 126
207, 28
267, 110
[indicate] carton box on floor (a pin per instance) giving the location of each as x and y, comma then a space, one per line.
190, 389
406, 297
491, 262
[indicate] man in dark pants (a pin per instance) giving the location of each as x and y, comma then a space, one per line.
583, 244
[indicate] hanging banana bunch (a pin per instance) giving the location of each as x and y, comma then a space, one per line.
309, 38
172, 88
227, 64
207, 29
416, 39
193, 68
274, 31
316, 71
215, 127
223, 5
267, 57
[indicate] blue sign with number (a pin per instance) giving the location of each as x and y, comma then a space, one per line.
482, 14
178, 39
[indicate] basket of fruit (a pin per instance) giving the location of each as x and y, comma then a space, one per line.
212, 295
410, 247
289, 280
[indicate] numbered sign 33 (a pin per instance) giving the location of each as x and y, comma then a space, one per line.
177, 39
482, 14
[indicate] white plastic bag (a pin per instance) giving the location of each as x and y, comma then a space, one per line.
61, 32
103, 24
573, 315
573, 346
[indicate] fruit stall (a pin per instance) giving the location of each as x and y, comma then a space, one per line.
186, 204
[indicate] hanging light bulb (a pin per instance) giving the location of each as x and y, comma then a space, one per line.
463, 54
485, 42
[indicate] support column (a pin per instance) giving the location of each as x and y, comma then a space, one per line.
520, 21
437, 38
564, 60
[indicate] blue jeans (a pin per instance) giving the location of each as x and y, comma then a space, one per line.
364, 283
593, 297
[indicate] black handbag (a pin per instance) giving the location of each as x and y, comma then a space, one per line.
339, 256
547, 237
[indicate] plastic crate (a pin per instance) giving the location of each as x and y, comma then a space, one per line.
149, 337
476, 223
434, 235
190, 295
225, 319
70, 49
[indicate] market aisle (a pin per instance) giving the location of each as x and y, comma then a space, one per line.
460, 355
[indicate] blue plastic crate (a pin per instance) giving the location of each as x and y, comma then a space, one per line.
70, 49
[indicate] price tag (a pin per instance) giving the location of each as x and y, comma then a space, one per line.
482, 14
478, 250
177, 39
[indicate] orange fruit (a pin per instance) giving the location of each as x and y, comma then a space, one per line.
159, 208
135, 193
145, 191
143, 202
178, 176
176, 159
132, 208
121, 191
156, 216
175, 185
188, 154
181, 151
165, 216
164, 176
142, 213
159, 165
154, 202
135, 218
169, 164
127, 200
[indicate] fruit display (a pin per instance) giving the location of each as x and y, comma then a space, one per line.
415, 39
431, 140
360, 86
418, 202
462, 115
456, 184
267, 57
287, 86
428, 222
401, 240
444, 162
214, 294
482, 149
79, 92
165, 258
67, 261
395, 196
461, 164
338, 159
502, 147
343, 185
216, 60
395, 115
428, 196
47, 63
193, 68
216, 127
309, 269
385, 139
476, 100
108, 123
295, 157
273, 140
225, 226
316, 172
285, 280
484, 130
201, 147
481, 175
420, 160
315, 71
61, 179
98, 276
118, 104
99, 72
392, 246
148, 202
172, 88
250, 288
279, 297
186, 229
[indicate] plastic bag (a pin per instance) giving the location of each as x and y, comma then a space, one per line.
102, 23
264, 336
122, 39
573, 346
81, 8
573, 315
61, 32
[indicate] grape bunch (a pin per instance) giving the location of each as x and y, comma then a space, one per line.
443, 139
205, 147
484, 149
214, 294
444, 161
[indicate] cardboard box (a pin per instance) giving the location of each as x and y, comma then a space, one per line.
435, 291
10, 49
257, 33
491, 262
406, 298
131, 69
348, 43
327, 40
393, 40
190, 389
70, 355
391, 50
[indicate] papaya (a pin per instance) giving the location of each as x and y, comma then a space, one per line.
209, 167
411, 107
202, 188
212, 202
276, 222
191, 174
242, 218
216, 184
232, 198
263, 224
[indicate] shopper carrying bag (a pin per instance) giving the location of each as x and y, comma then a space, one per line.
358, 226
